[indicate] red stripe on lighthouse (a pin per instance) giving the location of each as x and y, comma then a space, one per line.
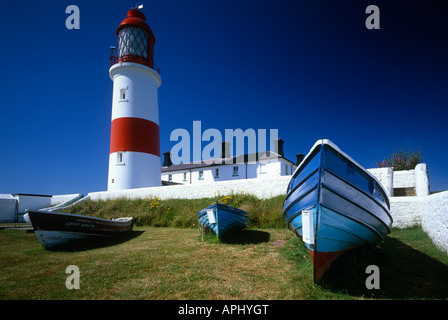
135, 134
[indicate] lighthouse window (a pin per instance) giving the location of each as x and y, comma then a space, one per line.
119, 157
133, 41
123, 94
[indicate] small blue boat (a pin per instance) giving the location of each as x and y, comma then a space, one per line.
221, 218
335, 205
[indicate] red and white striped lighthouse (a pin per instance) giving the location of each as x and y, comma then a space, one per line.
134, 159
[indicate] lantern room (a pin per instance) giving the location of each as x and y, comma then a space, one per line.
135, 40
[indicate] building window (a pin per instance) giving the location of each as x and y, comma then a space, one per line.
170, 177
216, 173
262, 168
286, 168
119, 157
201, 175
235, 170
123, 94
185, 176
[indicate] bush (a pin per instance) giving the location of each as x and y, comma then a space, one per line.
402, 160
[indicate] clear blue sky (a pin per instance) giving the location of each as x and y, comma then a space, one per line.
310, 69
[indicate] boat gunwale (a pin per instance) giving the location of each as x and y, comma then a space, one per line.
222, 206
57, 213
234, 218
318, 144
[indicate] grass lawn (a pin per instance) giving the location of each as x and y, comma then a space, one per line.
175, 263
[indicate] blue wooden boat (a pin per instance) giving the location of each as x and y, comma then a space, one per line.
335, 205
221, 218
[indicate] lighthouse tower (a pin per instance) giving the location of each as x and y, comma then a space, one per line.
134, 159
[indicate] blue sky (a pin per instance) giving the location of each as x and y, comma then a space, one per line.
310, 69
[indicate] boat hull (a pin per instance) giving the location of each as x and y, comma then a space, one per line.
55, 229
347, 207
221, 219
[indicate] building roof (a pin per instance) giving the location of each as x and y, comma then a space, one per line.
268, 155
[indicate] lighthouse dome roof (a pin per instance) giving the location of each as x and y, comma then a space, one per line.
135, 18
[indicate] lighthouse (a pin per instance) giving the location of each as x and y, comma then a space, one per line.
134, 158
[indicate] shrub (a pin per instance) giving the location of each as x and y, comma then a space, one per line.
402, 160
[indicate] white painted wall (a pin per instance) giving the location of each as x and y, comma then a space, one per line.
431, 212
421, 180
385, 177
416, 178
262, 188
32, 202
133, 171
404, 179
435, 219
406, 211
141, 84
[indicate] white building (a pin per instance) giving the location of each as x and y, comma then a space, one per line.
249, 166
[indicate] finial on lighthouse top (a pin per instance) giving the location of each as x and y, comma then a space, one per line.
135, 39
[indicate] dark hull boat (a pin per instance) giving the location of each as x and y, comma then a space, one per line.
221, 218
56, 229
335, 205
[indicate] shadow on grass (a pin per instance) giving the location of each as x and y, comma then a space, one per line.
98, 243
405, 273
246, 237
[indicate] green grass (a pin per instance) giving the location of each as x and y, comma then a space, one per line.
175, 263
183, 213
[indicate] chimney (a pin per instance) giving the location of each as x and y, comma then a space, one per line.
279, 147
167, 159
225, 150
300, 157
